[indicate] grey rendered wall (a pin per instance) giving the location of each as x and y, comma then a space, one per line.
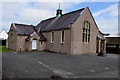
77, 46
24, 45
28, 45
39, 46
57, 46
12, 39
21, 43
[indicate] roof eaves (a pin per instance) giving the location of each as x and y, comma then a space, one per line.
22, 34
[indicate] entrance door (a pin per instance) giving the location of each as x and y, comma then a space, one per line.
34, 44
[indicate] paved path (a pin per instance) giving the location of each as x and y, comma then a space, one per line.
46, 64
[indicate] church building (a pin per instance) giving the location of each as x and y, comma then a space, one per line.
75, 32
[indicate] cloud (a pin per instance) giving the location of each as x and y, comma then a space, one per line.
111, 11
107, 19
29, 12
108, 25
34, 12
60, 1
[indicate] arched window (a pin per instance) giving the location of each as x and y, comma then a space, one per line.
86, 32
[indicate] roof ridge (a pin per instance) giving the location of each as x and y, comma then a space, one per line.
55, 23
64, 14
48, 19
23, 24
74, 11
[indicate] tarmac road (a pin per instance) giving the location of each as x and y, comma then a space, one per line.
46, 64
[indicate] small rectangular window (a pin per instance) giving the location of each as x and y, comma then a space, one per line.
52, 37
62, 36
41, 42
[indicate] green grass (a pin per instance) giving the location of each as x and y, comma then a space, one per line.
4, 49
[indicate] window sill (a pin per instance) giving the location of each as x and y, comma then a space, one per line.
52, 42
86, 42
62, 43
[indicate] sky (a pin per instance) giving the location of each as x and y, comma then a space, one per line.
32, 12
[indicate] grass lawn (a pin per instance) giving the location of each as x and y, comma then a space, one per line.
4, 49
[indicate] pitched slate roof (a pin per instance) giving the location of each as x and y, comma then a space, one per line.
24, 29
44, 23
57, 23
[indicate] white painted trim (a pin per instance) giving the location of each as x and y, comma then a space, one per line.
61, 36
32, 34
52, 37
39, 29
34, 44
3, 35
14, 26
82, 11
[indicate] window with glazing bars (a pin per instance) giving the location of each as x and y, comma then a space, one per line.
86, 32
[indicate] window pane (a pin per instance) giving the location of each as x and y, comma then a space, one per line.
83, 30
62, 36
89, 31
83, 37
52, 37
41, 42
86, 32
88, 37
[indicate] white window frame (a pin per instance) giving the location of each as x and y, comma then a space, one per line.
52, 37
86, 34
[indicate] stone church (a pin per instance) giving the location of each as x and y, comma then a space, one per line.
75, 32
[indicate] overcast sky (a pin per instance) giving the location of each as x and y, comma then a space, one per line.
32, 12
